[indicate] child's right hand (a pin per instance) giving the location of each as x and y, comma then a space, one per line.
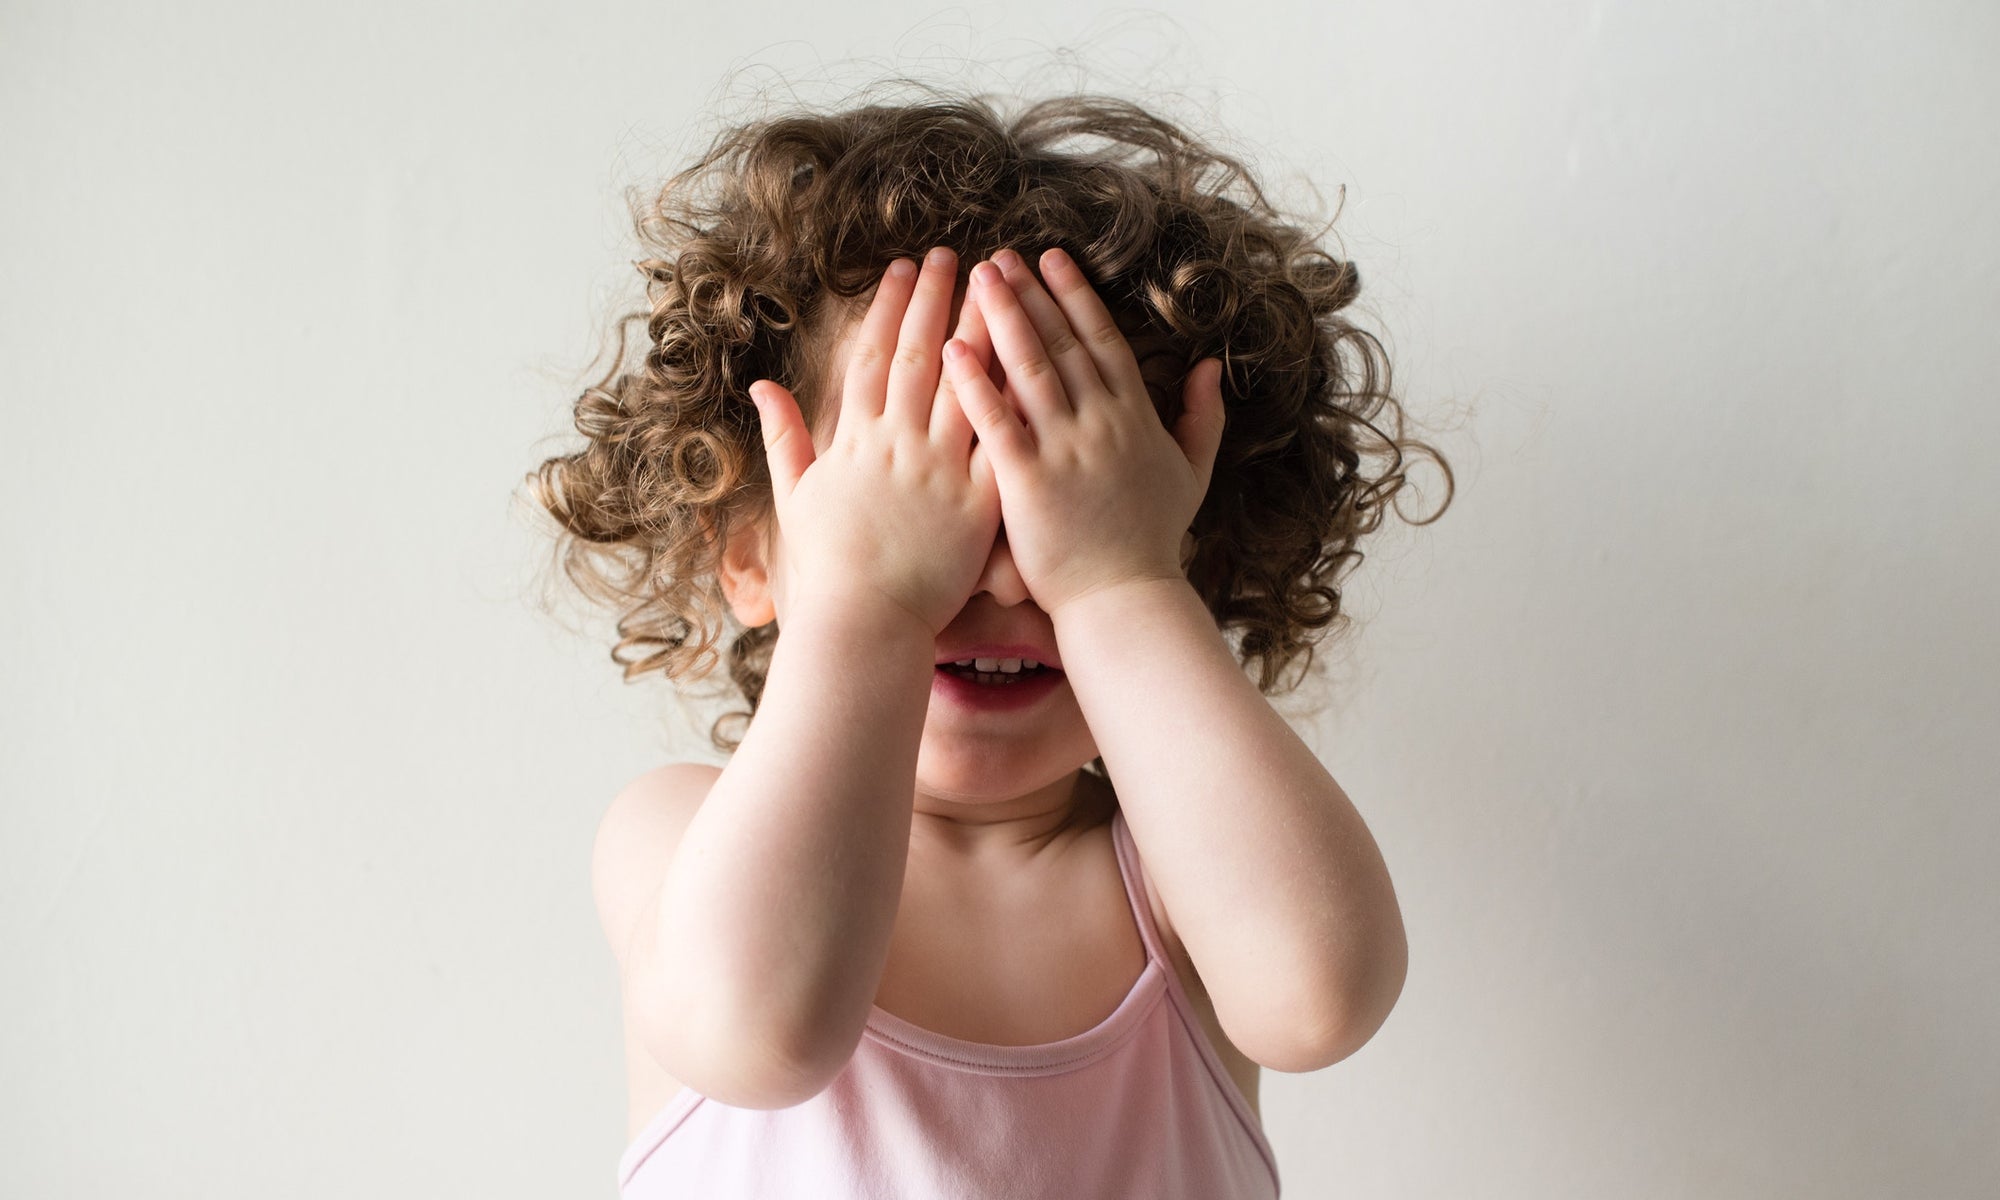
897, 510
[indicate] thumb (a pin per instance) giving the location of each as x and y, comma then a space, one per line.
1199, 430
786, 446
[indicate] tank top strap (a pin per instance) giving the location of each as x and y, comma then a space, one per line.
1134, 876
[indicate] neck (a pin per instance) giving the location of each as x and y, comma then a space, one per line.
1005, 833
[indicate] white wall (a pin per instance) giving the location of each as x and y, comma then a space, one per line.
1670, 730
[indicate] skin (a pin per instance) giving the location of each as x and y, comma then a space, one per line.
887, 544
996, 794
1275, 885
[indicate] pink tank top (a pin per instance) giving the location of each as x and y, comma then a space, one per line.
1140, 1106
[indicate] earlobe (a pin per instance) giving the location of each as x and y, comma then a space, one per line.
744, 572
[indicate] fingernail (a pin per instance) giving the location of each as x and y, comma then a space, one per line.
1056, 258
986, 273
938, 256
902, 268
1007, 259
954, 349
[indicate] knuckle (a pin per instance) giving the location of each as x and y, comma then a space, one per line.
1061, 342
865, 355
911, 354
1105, 335
1034, 368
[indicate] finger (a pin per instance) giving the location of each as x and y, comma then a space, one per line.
1005, 439
916, 368
864, 386
1071, 357
787, 446
1199, 430
1093, 323
973, 332
950, 419
1018, 349
949, 424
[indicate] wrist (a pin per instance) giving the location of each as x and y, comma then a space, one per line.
1121, 597
862, 625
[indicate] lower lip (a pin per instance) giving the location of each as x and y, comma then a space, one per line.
994, 697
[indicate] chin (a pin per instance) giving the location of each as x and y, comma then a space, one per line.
972, 772
966, 781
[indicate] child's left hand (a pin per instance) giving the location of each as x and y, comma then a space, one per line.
1094, 491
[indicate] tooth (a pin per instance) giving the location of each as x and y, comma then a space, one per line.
1010, 665
1030, 663
988, 665
963, 662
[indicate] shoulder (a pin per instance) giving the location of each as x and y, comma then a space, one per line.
636, 839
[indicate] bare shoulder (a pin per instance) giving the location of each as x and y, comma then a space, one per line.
635, 841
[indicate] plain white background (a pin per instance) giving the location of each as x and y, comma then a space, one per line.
1676, 731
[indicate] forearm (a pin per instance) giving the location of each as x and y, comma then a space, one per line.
776, 912
1270, 876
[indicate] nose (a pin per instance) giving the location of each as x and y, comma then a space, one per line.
1001, 579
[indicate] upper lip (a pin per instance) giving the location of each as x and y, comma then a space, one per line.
1001, 650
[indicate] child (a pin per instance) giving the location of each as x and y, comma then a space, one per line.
1027, 510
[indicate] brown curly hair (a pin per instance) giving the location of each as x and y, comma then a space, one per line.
782, 229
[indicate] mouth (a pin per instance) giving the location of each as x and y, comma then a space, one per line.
1004, 673
998, 654
989, 691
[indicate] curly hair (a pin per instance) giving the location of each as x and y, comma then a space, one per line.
783, 227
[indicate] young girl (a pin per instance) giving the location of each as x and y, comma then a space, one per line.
1032, 432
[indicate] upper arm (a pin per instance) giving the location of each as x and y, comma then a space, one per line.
636, 840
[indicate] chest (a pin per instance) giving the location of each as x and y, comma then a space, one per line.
1037, 964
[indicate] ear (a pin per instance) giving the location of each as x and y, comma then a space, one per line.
745, 573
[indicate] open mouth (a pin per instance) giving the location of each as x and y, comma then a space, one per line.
973, 690
996, 678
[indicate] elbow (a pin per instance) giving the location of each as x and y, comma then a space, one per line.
741, 1070
1354, 1010
1372, 1006
726, 1059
